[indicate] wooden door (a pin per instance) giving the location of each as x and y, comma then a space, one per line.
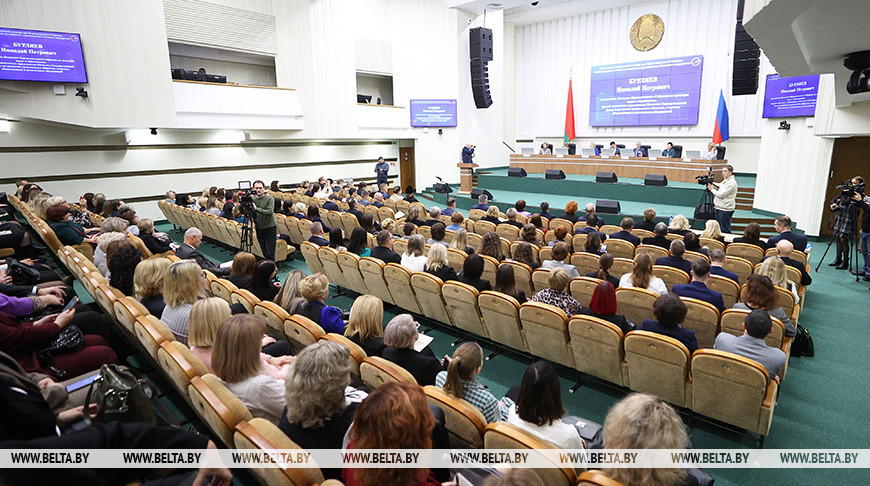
406, 167
849, 159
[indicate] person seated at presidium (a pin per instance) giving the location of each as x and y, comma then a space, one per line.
315, 290
669, 151
698, 289
556, 294
641, 276
751, 344
595, 147
399, 337
670, 311
538, 409
711, 153
615, 148
437, 264
639, 150
560, 252
546, 149
603, 306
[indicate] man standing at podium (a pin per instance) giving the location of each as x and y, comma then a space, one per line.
724, 197
381, 169
467, 154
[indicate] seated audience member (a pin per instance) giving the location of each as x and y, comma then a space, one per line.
332, 203
389, 224
545, 210
358, 243
605, 262
756, 327
111, 208
529, 234
603, 306
571, 212
782, 224
520, 206
301, 210
648, 223
409, 195
460, 241
154, 244
434, 215
752, 236
492, 215
112, 229
148, 284
557, 295
524, 253
400, 336
13, 235
438, 265
206, 317
538, 222
713, 231
242, 269
384, 251
679, 225
367, 222
761, 294
315, 290
491, 246
394, 416
68, 232
659, 239
317, 235
365, 326
774, 268
236, 360
170, 198
511, 215
641, 421
408, 230
641, 276
289, 298
670, 312
313, 215
481, 203
188, 250
320, 403
538, 409
211, 206
129, 215
559, 254
183, 283
590, 211
472, 269
414, 257
559, 235
414, 215
676, 260
783, 251
261, 280
717, 260
229, 207
697, 288
456, 220
593, 244
122, 258
591, 228
505, 282
692, 242
336, 239
438, 232
378, 199
451, 207
458, 380
364, 197
625, 234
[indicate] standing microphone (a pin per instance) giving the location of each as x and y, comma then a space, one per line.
440, 179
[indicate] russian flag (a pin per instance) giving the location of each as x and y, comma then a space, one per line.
720, 131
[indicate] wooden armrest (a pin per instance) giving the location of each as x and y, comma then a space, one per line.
786, 342
769, 396
186, 366
226, 415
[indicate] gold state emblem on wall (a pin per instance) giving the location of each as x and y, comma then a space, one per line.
647, 32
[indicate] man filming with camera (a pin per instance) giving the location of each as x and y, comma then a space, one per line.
264, 218
846, 205
724, 197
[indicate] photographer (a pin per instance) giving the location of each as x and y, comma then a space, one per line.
264, 218
846, 205
724, 198
467, 154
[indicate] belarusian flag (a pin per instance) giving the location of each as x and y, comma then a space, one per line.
569, 115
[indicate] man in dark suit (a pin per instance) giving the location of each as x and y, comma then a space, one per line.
434, 214
697, 289
332, 203
351, 208
591, 228
451, 207
467, 154
648, 223
545, 210
481, 203
783, 251
782, 224
378, 200
188, 250
639, 151
511, 214
625, 234
659, 239
317, 235
384, 251
670, 312
717, 260
676, 260
615, 148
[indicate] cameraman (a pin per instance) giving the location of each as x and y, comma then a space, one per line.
724, 198
467, 154
264, 217
846, 205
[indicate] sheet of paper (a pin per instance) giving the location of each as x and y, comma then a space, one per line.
422, 341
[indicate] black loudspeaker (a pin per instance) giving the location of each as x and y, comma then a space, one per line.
442, 188
476, 192
747, 59
606, 206
606, 177
554, 174
480, 51
655, 180
480, 43
516, 172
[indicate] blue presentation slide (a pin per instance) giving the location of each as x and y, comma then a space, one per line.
433, 113
34, 55
646, 93
793, 96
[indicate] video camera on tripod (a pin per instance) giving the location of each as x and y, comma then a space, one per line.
849, 191
246, 201
705, 179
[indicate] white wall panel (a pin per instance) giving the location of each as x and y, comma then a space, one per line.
203, 23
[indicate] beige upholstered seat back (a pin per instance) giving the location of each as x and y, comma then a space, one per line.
728, 288
582, 288
546, 330
556, 222
375, 371
490, 265
301, 331
246, 298
475, 241
372, 271
539, 280
274, 315
703, 318
482, 227
329, 260
348, 223
262, 435
223, 288
621, 266
463, 421
349, 264
586, 263
712, 244
596, 478
597, 347
461, 301
179, 364
508, 232
523, 277
501, 435
476, 214
501, 313
654, 251
620, 248
151, 332
747, 251
671, 276
640, 233
658, 365
357, 355
427, 288
732, 320
741, 266
126, 312
400, 245
398, 280
312, 259
635, 304
217, 406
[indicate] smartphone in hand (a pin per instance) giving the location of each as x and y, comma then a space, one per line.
72, 303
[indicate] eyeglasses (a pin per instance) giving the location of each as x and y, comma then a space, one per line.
416, 324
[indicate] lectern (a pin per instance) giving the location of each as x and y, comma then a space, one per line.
465, 177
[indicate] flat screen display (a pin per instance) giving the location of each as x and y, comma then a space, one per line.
433, 113
792, 96
646, 93
35, 55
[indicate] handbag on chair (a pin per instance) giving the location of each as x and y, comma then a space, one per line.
120, 397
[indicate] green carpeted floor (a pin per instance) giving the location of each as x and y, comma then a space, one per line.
821, 402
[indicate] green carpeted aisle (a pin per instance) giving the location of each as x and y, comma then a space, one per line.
822, 401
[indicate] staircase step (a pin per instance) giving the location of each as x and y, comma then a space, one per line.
747, 207
746, 189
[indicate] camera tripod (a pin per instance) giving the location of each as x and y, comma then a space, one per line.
247, 240
852, 239
705, 209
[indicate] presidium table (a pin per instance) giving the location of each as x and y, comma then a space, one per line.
633, 167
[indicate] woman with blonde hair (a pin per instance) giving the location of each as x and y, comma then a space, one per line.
414, 258
641, 421
460, 241
414, 216
235, 358
183, 283
148, 284
492, 215
679, 225
289, 297
242, 269
155, 244
774, 268
389, 224
112, 229
365, 326
458, 380
315, 290
437, 264
641, 277
712, 231
557, 295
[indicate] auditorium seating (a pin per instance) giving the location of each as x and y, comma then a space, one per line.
671, 276
598, 348
659, 365
375, 371
500, 435
465, 424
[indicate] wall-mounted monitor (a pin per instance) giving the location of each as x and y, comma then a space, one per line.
433, 113
646, 93
36, 55
792, 96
